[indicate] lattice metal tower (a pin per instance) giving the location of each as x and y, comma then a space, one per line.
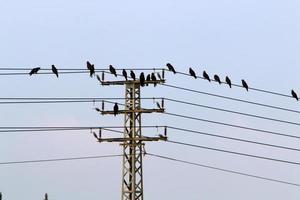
133, 141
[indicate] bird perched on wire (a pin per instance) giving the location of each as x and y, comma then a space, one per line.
34, 71
124, 73
245, 85
153, 78
113, 70
116, 109
148, 78
206, 76
192, 73
217, 79
132, 74
54, 70
228, 81
294, 95
171, 68
91, 68
142, 79
46, 196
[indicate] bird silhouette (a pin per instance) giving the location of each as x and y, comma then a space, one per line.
46, 196
98, 78
228, 81
192, 73
95, 135
116, 109
158, 105
124, 73
91, 68
217, 78
171, 68
148, 79
54, 70
159, 76
142, 79
34, 71
113, 70
205, 76
0, 196
294, 94
245, 85
132, 74
153, 78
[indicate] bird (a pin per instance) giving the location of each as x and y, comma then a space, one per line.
148, 78
245, 85
158, 105
217, 79
205, 76
46, 196
124, 73
228, 81
116, 109
171, 68
132, 74
91, 68
98, 78
0, 196
34, 71
192, 73
295, 95
95, 135
153, 78
159, 76
142, 79
54, 70
113, 70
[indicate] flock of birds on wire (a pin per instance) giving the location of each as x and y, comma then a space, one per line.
151, 77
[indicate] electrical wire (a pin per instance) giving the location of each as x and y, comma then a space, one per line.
232, 138
232, 111
233, 125
59, 159
240, 86
234, 152
230, 98
223, 170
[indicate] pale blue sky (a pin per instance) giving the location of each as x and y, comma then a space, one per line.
255, 40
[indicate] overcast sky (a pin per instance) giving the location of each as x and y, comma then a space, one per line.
253, 40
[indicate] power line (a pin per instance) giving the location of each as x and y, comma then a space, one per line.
234, 152
231, 98
240, 86
78, 69
233, 125
67, 127
223, 170
59, 159
232, 138
232, 111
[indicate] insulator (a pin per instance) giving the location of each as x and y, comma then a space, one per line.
102, 104
163, 74
102, 76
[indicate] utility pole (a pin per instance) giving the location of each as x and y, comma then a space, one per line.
133, 141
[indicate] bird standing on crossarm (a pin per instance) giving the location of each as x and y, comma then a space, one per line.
124, 73
142, 79
132, 74
116, 109
153, 78
46, 196
148, 79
